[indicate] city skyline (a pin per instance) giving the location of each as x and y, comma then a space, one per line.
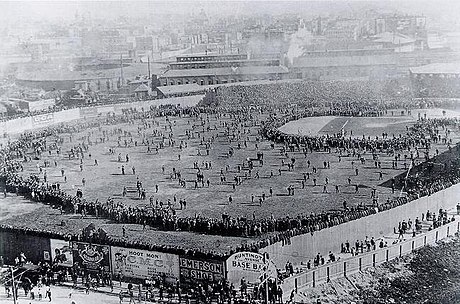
56, 10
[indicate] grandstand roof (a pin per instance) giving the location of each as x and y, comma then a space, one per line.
342, 61
226, 61
181, 89
438, 68
142, 88
227, 71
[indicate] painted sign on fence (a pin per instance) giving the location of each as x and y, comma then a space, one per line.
247, 262
43, 120
91, 256
61, 253
192, 270
249, 265
144, 264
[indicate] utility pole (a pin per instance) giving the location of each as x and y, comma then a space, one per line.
265, 277
121, 69
13, 284
148, 60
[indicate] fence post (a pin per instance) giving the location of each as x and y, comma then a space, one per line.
413, 245
387, 254
458, 226
437, 232
295, 283
373, 260
327, 271
424, 240
314, 279
448, 228
345, 269
400, 250
360, 264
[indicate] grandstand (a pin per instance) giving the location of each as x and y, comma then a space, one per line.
437, 80
220, 69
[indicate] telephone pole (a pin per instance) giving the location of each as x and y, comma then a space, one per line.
148, 62
13, 285
121, 70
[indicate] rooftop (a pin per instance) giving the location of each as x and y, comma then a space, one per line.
394, 38
44, 72
180, 89
229, 61
211, 55
253, 70
142, 88
341, 61
438, 68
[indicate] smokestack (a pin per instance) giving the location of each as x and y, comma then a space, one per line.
148, 61
121, 69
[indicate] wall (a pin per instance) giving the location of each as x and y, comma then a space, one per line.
19, 125
33, 247
305, 247
348, 266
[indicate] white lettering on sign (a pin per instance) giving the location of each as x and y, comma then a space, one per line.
249, 265
42, 119
246, 261
144, 264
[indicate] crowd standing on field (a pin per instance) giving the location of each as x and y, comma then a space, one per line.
268, 107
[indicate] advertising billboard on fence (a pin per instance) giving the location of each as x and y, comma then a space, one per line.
249, 265
91, 256
144, 264
42, 120
61, 253
192, 270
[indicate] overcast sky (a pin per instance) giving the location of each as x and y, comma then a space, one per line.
31, 10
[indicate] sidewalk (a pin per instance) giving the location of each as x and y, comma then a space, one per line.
123, 288
387, 239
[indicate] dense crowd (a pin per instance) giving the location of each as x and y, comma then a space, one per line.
436, 87
335, 94
316, 99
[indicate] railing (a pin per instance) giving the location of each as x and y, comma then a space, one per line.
347, 266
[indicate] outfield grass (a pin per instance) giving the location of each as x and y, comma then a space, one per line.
105, 180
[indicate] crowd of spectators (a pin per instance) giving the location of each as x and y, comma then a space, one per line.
328, 98
433, 86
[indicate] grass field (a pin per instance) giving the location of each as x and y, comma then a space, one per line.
106, 180
391, 123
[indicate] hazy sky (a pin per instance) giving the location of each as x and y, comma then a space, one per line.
29, 10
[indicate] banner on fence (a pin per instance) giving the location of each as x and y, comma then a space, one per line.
61, 252
246, 262
91, 256
42, 120
250, 265
192, 270
143, 264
